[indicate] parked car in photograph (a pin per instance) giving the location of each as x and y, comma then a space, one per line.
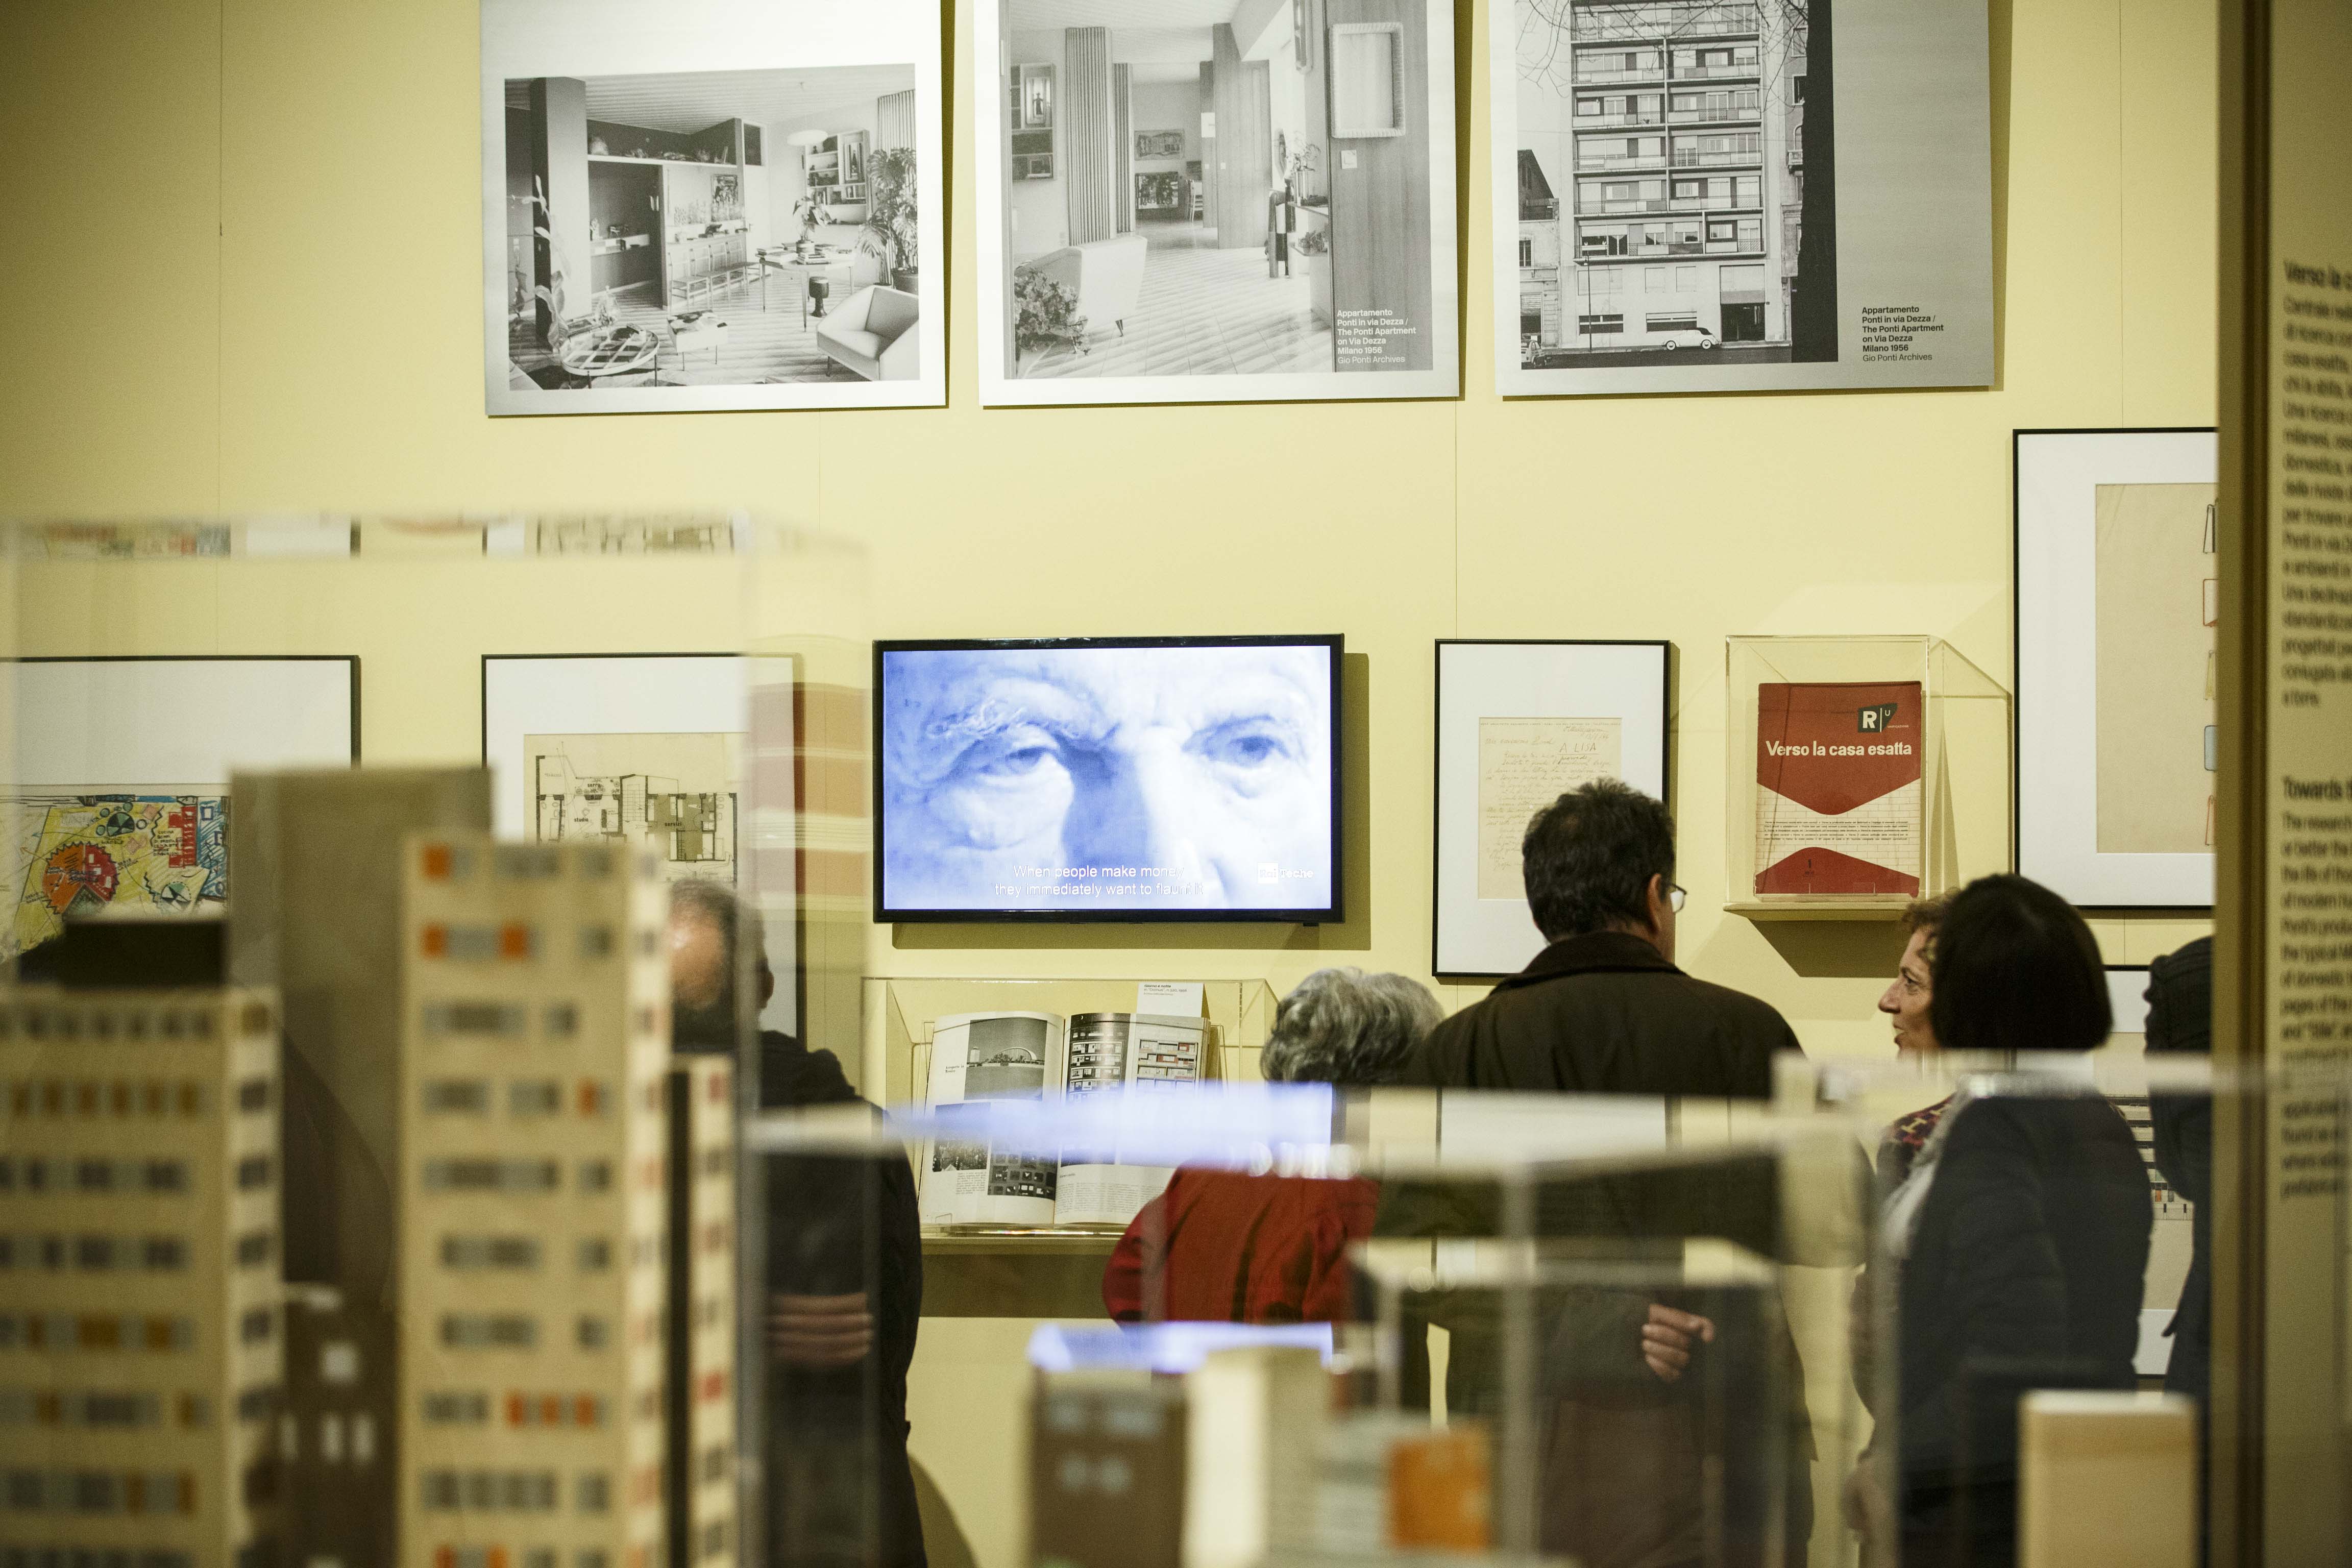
1687, 337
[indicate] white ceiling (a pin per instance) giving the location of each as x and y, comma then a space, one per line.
690, 100
1027, 14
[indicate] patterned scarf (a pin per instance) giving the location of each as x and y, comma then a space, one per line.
1899, 1149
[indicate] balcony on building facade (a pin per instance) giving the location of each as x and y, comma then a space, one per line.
1612, 121
1589, 161
1730, 204
1631, 24
1608, 70
1724, 116
1797, 137
1732, 158
1597, 207
1747, 72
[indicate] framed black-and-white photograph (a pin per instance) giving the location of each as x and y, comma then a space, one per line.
2118, 591
648, 749
1519, 724
1727, 195
119, 796
1235, 272
712, 205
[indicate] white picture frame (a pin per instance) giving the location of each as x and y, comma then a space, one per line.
1367, 308
1368, 98
683, 695
180, 721
119, 772
1890, 281
711, 306
2057, 477
1486, 693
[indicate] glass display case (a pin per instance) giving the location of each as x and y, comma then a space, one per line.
1861, 772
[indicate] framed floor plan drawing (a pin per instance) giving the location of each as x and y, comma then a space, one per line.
118, 794
2117, 594
1519, 724
643, 749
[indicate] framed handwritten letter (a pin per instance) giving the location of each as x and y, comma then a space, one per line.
1519, 725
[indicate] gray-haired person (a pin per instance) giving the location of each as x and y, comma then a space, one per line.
1227, 1247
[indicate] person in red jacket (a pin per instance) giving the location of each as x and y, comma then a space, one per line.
1226, 1247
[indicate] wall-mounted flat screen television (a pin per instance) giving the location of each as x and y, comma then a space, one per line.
1107, 779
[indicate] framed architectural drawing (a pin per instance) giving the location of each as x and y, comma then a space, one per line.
1295, 237
712, 205
649, 750
1519, 723
1738, 195
2117, 593
117, 793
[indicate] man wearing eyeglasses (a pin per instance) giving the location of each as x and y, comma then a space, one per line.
1650, 1404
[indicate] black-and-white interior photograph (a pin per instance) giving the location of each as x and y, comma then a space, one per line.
702, 233
1222, 188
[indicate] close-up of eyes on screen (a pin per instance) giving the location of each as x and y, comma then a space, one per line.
1107, 781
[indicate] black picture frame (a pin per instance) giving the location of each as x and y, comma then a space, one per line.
1331, 914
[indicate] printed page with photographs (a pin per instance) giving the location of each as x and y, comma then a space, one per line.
982, 1056
1141, 1053
977, 1058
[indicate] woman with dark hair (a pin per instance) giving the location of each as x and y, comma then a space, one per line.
2020, 1233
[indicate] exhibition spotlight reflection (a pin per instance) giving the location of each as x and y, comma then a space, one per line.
1118, 779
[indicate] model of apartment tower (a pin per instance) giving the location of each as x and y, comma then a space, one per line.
139, 1294
701, 1312
533, 1146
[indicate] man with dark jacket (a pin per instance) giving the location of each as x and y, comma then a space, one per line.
1604, 1010
2180, 1018
844, 1267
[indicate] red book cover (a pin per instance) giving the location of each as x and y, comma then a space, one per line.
1838, 796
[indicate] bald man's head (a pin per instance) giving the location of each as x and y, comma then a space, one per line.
706, 923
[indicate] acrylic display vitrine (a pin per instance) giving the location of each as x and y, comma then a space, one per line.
1859, 774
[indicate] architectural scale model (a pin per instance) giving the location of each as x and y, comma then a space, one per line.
700, 1311
533, 1146
139, 1277
335, 1425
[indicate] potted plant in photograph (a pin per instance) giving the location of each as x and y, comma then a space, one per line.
812, 210
1312, 250
553, 328
1046, 313
889, 234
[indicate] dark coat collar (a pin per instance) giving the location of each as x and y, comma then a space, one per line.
1594, 952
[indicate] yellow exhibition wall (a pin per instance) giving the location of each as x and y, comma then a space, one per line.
244, 275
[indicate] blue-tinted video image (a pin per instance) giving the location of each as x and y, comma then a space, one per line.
1121, 782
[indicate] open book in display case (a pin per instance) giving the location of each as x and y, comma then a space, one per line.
1861, 772
936, 1043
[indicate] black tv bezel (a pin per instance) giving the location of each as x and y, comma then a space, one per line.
1335, 645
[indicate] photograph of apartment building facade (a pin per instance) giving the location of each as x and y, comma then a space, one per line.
1741, 196
1662, 174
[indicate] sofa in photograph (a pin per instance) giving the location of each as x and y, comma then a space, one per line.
1106, 275
873, 333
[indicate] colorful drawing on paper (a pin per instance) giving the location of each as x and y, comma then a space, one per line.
676, 795
80, 854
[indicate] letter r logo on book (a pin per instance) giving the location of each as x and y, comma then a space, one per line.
1874, 719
